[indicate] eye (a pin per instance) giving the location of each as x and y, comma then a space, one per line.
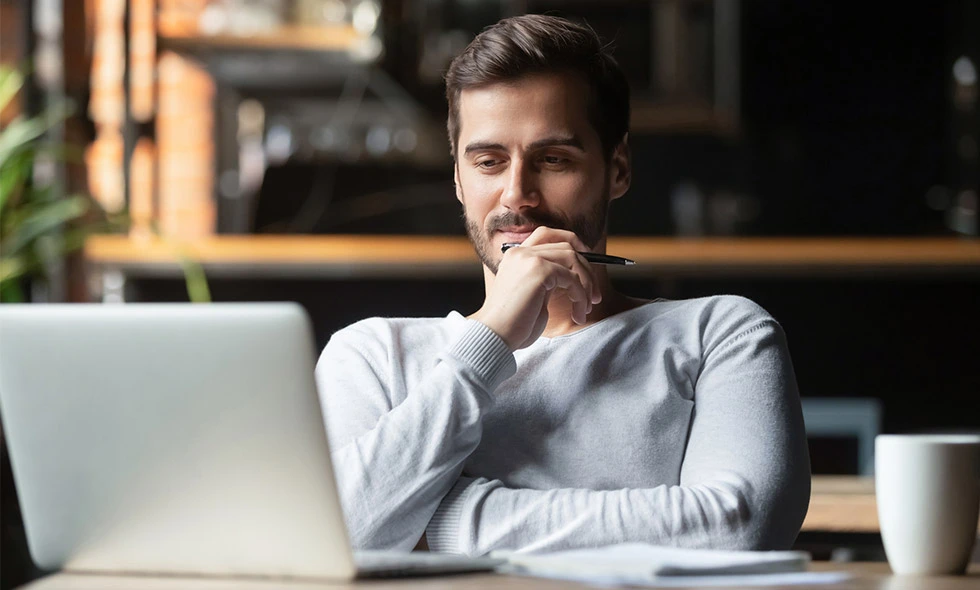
554, 161
487, 164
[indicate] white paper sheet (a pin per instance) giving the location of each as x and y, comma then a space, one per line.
651, 565
739, 581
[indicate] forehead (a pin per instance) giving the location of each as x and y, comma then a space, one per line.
526, 109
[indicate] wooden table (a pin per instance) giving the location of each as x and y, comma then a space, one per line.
842, 504
866, 576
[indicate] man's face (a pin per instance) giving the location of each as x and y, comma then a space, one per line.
528, 156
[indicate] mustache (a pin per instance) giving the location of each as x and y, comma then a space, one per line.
510, 219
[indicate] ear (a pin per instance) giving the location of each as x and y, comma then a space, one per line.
620, 169
459, 193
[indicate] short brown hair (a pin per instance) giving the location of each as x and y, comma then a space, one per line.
532, 44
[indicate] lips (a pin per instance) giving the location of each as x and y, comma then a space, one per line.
515, 233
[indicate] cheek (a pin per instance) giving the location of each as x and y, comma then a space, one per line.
474, 197
477, 187
572, 187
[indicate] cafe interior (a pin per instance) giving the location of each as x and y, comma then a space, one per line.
820, 158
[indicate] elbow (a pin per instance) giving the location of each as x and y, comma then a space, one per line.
376, 524
788, 510
779, 516
754, 519
368, 534
739, 521
382, 535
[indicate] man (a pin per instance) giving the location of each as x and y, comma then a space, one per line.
561, 413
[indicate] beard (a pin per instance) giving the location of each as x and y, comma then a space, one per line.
590, 227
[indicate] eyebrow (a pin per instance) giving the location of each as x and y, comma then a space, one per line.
569, 141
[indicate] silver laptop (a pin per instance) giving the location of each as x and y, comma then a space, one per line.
178, 439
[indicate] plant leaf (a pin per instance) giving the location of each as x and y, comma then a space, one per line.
17, 265
33, 200
13, 267
11, 81
19, 134
195, 280
13, 177
10, 292
22, 131
43, 220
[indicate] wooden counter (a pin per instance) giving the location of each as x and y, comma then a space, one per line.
427, 256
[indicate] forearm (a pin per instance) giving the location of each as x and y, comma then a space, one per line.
392, 474
480, 516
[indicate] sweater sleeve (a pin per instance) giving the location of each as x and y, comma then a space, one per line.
393, 465
744, 482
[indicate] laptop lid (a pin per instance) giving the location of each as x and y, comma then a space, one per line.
170, 438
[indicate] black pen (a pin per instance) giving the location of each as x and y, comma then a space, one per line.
590, 256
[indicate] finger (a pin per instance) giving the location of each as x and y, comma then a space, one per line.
563, 279
580, 307
550, 235
562, 255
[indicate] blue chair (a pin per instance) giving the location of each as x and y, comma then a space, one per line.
846, 417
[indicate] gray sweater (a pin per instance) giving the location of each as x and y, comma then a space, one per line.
675, 423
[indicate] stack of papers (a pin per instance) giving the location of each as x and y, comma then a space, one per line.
645, 565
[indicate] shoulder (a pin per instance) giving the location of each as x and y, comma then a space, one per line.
734, 311
718, 310
737, 325
715, 320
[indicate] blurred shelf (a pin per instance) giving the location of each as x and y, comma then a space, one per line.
390, 256
781, 256
341, 256
287, 37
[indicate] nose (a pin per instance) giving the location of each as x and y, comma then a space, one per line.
521, 190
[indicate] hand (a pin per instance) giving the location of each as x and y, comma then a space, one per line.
516, 308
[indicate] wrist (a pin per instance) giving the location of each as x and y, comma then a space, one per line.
501, 333
486, 353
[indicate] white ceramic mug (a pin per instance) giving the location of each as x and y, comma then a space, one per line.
928, 492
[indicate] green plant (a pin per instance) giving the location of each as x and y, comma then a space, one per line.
38, 223
35, 219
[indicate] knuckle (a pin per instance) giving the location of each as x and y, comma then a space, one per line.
535, 262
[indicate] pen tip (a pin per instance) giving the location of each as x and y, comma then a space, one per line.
630, 262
